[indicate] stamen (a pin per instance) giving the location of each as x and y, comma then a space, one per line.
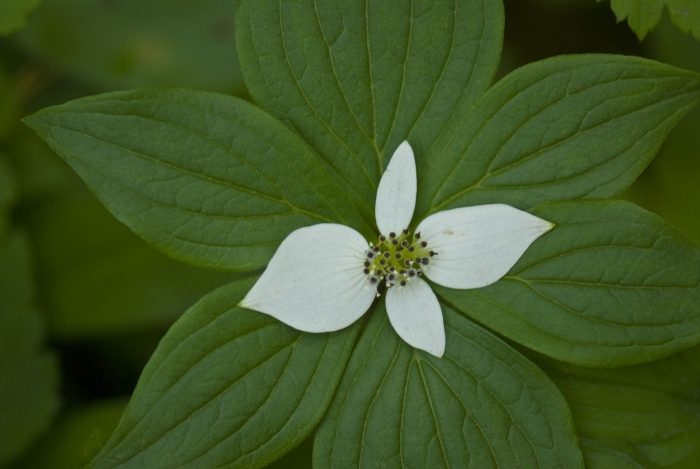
394, 242
403, 283
387, 254
411, 273
407, 262
367, 263
426, 261
392, 235
424, 244
375, 249
382, 261
366, 271
417, 235
382, 238
373, 280
432, 253
411, 249
404, 243
405, 232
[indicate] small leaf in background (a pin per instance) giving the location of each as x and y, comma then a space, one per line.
483, 405
207, 178
73, 436
39, 172
28, 375
644, 15
8, 193
640, 417
8, 104
562, 128
132, 43
669, 187
355, 79
611, 285
13, 15
227, 387
88, 262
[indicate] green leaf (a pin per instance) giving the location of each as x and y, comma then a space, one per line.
8, 102
355, 79
227, 387
39, 172
13, 14
482, 405
645, 416
644, 15
669, 186
68, 441
28, 375
207, 178
563, 128
611, 285
90, 262
125, 44
8, 193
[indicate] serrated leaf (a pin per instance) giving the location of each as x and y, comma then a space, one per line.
89, 263
227, 387
13, 14
355, 79
643, 15
131, 43
28, 375
482, 405
563, 128
646, 416
207, 178
610, 285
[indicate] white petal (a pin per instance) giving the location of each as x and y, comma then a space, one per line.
396, 194
315, 280
415, 313
478, 245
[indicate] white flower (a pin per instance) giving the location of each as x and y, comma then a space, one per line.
324, 277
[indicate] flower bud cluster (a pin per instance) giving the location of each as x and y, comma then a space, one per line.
395, 260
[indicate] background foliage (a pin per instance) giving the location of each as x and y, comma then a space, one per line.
94, 299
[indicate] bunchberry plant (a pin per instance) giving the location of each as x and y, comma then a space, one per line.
324, 277
301, 181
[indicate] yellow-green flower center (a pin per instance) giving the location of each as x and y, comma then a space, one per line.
396, 260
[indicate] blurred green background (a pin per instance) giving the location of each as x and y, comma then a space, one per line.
86, 298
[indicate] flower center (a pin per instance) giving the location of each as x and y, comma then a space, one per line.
397, 261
